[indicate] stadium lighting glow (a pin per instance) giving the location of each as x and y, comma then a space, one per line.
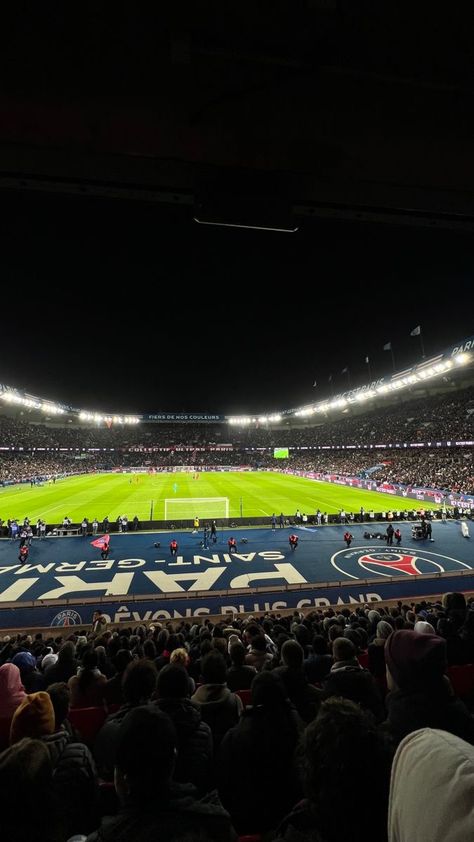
462, 359
52, 409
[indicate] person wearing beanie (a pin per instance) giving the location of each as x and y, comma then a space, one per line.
421, 695
48, 661
34, 718
74, 774
445, 766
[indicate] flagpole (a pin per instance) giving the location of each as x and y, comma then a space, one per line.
422, 345
367, 360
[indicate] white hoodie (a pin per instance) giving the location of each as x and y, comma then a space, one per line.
432, 789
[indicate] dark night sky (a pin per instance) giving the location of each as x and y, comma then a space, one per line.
117, 306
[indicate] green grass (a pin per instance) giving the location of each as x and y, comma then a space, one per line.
113, 495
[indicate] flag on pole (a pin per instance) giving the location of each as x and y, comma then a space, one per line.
416, 331
387, 346
101, 543
367, 360
345, 370
330, 378
315, 384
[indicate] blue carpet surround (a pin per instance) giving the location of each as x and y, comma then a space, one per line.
65, 579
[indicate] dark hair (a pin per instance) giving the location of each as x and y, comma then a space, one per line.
341, 732
173, 682
237, 654
146, 748
89, 664
26, 768
60, 697
139, 682
343, 649
213, 668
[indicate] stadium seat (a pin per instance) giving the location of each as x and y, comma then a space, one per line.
363, 659
113, 708
245, 697
462, 680
87, 722
254, 837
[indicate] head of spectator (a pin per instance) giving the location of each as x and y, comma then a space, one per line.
149, 650
237, 654
445, 765
384, 630
26, 768
268, 691
60, 696
415, 661
344, 653
145, 756
213, 669
172, 682
320, 646
341, 732
292, 655
34, 717
179, 657
139, 682
12, 691
48, 660
422, 627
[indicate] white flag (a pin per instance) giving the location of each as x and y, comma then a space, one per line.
416, 331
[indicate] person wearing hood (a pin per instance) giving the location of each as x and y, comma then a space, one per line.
442, 807
31, 677
349, 680
12, 691
421, 695
153, 806
195, 747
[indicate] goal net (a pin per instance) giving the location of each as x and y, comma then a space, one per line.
187, 508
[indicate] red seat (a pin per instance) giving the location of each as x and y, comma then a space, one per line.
113, 708
462, 680
363, 659
254, 837
87, 722
246, 699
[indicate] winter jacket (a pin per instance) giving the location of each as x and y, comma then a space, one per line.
75, 782
195, 745
220, 709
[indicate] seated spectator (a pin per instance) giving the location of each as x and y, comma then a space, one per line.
258, 656
74, 774
87, 687
138, 686
445, 766
60, 696
348, 679
267, 733
153, 807
304, 696
319, 663
337, 805
113, 694
422, 696
219, 707
31, 677
12, 691
240, 675
65, 667
26, 768
377, 647
179, 657
195, 748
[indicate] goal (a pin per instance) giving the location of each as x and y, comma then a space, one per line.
187, 508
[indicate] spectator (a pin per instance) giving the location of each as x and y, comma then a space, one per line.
195, 748
26, 768
219, 707
87, 687
240, 675
153, 807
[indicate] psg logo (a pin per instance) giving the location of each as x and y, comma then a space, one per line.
69, 617
369, 562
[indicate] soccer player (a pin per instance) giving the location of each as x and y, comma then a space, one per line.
293, 542
23, 556
232, 544
348, 538
174, 547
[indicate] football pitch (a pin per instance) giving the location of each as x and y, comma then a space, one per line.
249, 494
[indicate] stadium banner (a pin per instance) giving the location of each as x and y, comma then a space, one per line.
184, 417
130, 611
426, 495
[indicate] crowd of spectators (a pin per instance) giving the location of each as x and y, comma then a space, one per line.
35, 453
329, 694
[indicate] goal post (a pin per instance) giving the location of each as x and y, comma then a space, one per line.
187, 508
